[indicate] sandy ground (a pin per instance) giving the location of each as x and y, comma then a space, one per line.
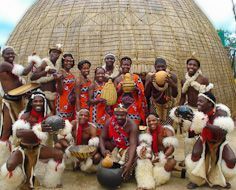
80, 181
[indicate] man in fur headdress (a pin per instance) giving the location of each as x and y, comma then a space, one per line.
10, 78
111, 69
161, 98
212, 161
46, 74
81, 132
29, 135
155, 152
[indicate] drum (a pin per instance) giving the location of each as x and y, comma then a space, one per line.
55, 122
23, 89
82, 151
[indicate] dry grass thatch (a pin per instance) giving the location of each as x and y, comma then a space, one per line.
140, 29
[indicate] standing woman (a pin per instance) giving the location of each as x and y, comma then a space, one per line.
65, 101
82, 85
98, 108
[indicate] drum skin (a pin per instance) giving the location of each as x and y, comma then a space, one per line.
109, 177
55, 122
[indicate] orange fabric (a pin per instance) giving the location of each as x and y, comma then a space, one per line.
98, 114
84, 96
65, 103
137, 110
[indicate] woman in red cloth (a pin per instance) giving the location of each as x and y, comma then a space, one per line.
65, 101
135, 101
82, 85
98, 108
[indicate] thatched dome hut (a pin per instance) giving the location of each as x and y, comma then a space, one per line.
140, 29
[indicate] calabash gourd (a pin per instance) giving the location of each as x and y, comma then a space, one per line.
160, 77
109, 93
128, 84
107, 162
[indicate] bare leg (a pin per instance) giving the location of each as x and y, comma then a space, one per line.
14, 160
49, 152
7, 123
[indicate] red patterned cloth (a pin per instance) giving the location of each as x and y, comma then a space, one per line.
118, 134
155, 133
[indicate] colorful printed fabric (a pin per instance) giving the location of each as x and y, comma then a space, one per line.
98, 114
138, 107
118, 134
65, 103
84, 96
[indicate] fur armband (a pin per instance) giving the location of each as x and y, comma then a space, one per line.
202, 88
17, 70
170, 141
148, 151
65, 133
36, 59
145, 138
173, 116
19, 124
37, 129
93, 141
199, 122
162, 158
224, 108
225, 123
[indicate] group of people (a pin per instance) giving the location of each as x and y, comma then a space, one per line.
136, 131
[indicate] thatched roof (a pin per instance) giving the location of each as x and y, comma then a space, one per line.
140, 29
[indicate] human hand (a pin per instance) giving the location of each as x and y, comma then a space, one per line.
51, 71
126, 171
170, 81
46, 127
106, 152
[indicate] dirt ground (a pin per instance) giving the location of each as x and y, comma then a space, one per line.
81, 181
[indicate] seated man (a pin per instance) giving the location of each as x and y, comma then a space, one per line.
82, 132
19, 170
212, 160
156, 145
120, 136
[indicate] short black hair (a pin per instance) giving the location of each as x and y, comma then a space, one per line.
99, 68
125, 58
160, 60
198, 62
83, 62
63, 59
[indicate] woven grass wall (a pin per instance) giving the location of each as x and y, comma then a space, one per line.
140, 29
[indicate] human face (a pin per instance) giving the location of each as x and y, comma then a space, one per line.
54, 55
83, 117
85, 70
203, 104
109, 60
37, 103
120, 117
100, 75
68, 63
152, 122
9, 55
125, 66
192, 67
160, 67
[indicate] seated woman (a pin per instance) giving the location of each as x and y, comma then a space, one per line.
28, 134
155, 152
81, 132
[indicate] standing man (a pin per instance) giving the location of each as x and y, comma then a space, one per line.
110, 68
46, 75
120, 136
193, 84
10, 78
161, 99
